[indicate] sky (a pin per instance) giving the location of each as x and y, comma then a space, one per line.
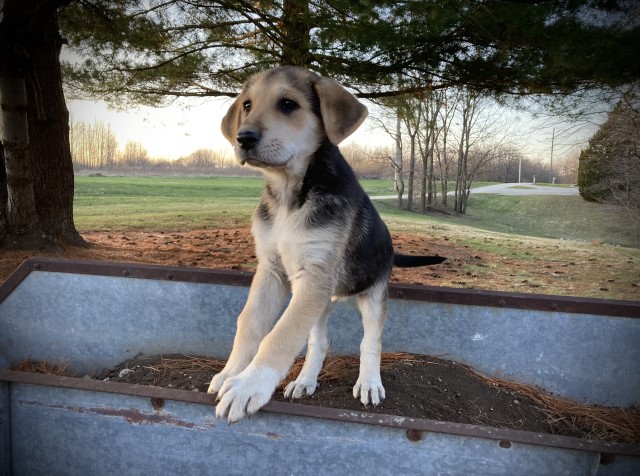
178, 130
169, 132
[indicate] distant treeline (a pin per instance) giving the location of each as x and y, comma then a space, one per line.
95, 148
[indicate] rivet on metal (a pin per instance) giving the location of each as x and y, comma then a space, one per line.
414, 435
157, 403
607, 458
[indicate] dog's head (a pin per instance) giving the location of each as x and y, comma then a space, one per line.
282, 116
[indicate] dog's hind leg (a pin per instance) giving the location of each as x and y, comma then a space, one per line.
373, 307
317, 345
266, 297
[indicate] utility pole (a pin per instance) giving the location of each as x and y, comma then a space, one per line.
553, 138
520, 170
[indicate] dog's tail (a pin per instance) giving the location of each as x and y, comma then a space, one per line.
406, 261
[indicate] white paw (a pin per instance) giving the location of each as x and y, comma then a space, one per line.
300, 387
217, 381
230, 370
246, 393
369, 391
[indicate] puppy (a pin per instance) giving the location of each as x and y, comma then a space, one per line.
317, 236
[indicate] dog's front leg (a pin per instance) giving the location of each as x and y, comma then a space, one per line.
252, 388
266, 297
317, 345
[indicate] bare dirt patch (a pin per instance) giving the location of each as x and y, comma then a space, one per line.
525, 267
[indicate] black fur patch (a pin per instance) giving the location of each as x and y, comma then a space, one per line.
263, 212
369, 254
334, 196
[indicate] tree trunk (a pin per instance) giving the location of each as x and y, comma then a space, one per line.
39, 173
296, 32
397, 178
431, 182
464, 167
423, 189
50, 148
412, 169
444, 186
3, 195
21, 216
443, 165
423, 175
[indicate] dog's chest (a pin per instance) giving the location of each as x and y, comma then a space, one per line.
287, 239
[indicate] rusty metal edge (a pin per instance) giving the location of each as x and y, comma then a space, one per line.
13, 280
537, 302
415, 427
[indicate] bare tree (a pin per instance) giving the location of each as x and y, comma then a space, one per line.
92, 145
134, 153
443, 150
412, 117
567, 167
366, 161
483, 135
398, 178
469, 105
396, 161
428, 139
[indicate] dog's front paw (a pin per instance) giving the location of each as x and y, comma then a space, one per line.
218, 380
246, 393
300, 387
369, 391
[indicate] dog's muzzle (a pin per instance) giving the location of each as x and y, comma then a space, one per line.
247, 140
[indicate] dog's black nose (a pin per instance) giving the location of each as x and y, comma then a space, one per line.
248, 139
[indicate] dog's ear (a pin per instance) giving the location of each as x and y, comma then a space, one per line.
341, 112
231, 122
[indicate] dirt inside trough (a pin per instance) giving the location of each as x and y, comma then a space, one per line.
416, 386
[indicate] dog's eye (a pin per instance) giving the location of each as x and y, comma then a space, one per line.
246, 106
287, 105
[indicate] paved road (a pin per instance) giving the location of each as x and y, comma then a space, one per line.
525, 189
511, 189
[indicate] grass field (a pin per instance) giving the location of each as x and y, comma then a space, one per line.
154, 203
108, 203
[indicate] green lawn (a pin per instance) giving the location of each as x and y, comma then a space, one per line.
549, 216
107, 203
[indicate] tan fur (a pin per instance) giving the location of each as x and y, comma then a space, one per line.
341, 112
292, 257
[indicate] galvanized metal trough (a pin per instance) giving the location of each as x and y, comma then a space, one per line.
94, 315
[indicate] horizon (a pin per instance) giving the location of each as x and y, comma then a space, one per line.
178, 130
